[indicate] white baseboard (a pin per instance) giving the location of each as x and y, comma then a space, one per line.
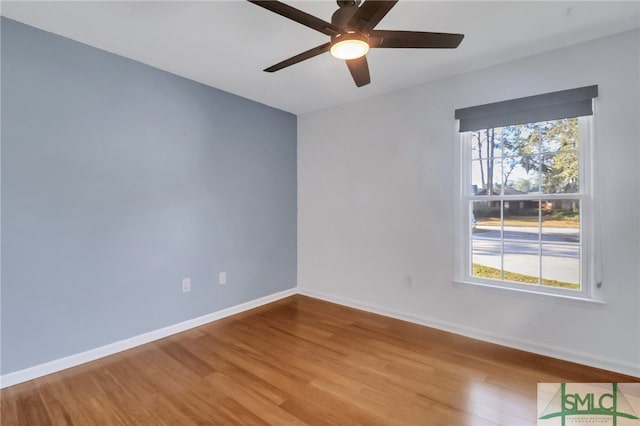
119, 346
618, 367
122, 345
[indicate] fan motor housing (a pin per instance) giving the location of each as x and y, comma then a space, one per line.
349, 35
352, 30
342, 16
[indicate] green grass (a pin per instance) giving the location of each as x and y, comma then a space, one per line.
493, 273
531, 221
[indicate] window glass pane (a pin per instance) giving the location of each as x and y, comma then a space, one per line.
486, 144
561, 265
530, 140
561, 221
487, 216
475, 152
486, 234
521, 262
560, 173
486, 258
559, 135
521, 174
521, 220
486, 177
519, 140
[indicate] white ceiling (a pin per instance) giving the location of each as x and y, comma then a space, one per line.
226, 44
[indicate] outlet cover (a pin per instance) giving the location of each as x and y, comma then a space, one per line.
222, 278
186, 285
408, 280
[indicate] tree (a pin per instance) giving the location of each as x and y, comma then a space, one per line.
562, 167
516, 149
523, 185
548, 149
485, 139
479, 141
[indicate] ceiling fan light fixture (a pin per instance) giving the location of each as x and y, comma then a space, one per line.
350, 45
353, 31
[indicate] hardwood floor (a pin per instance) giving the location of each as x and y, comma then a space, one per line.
299, 361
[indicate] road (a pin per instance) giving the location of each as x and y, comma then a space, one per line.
556, 235
559, 261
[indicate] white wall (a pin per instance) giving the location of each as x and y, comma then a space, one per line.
377, 188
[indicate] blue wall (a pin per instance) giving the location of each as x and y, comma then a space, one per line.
119, 180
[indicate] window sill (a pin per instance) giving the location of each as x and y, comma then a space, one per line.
585, 300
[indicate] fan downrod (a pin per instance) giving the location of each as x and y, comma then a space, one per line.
353, 32
347, 3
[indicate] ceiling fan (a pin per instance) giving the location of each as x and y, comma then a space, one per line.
352, 34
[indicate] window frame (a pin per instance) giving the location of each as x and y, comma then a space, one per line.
588, 278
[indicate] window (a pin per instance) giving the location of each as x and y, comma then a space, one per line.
526, 198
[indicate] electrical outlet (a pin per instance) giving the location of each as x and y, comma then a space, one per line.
222, 278
408, 280
186, 285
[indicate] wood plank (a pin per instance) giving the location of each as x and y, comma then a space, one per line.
299, 361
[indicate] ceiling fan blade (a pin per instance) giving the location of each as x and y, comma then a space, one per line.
370, 14
300, 57
414, 39
298, 16
359, 71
